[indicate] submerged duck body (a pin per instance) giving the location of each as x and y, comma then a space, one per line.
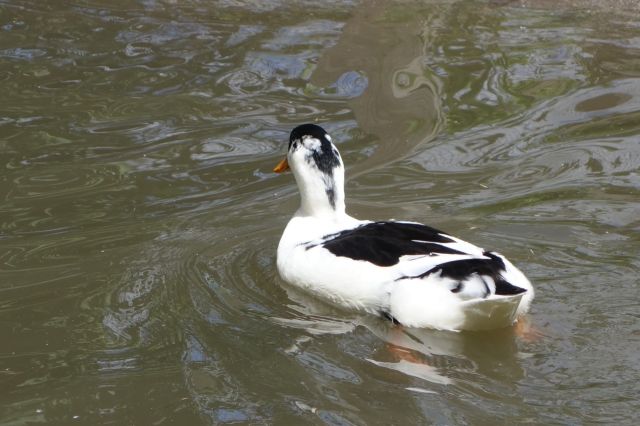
411, 273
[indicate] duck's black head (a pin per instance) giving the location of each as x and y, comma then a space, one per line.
322, 153
316, 164
309, 129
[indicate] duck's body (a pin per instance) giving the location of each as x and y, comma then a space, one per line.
408, 272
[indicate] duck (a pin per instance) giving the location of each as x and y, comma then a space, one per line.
406, 272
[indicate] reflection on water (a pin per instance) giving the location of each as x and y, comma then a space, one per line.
139, 214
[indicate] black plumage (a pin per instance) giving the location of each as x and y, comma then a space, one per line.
383, 243
306, 130
459, 270
324, 156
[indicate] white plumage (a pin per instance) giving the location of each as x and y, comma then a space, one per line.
408, 272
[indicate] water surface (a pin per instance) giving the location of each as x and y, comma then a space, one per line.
139, 215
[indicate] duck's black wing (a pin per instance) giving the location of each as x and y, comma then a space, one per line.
384, 243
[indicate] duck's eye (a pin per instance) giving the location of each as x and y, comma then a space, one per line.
295, 145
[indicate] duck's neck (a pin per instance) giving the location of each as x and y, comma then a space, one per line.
322, 195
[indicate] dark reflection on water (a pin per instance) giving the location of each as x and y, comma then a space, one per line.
139, 216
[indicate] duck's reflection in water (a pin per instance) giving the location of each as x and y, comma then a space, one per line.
436, 356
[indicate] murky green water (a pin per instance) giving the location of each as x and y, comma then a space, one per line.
139, 215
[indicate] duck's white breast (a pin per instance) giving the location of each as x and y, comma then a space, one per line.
351, 283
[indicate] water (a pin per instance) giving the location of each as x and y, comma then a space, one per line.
139, 215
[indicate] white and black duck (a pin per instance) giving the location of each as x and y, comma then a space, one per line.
410, 273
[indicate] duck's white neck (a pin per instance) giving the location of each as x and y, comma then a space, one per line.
321, 194
319, 172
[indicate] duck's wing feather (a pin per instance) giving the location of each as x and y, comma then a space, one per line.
443, 256
384, 243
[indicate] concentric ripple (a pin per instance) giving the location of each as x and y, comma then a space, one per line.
139, 216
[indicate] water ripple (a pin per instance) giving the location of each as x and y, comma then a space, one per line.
140, 216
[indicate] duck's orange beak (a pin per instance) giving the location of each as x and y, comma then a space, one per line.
282, 166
